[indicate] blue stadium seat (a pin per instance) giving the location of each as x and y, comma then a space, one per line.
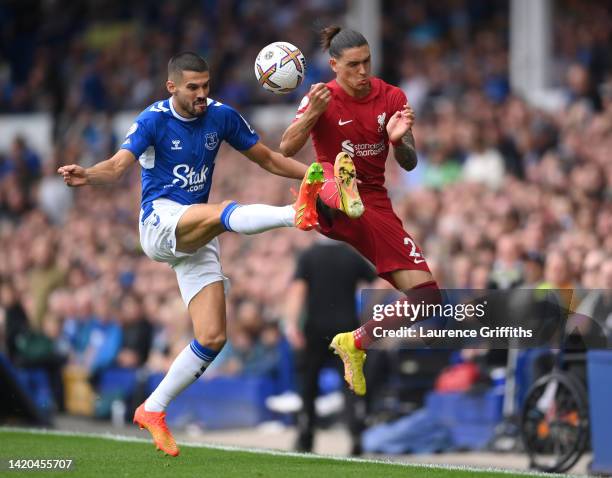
285, 380
118, 381
600, 397
471, 418
36, 382
221, 402
525, 368
330, 380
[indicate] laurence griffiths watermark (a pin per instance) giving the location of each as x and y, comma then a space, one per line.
518, 318
428, 333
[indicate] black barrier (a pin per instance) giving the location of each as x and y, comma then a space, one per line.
491, 319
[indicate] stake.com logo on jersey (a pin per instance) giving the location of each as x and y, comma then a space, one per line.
188, 178
362, 149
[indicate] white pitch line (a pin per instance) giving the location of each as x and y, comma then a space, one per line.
262, 451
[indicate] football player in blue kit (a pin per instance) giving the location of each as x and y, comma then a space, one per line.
176, 141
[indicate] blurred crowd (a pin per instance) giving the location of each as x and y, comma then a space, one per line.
505, 194
102, 56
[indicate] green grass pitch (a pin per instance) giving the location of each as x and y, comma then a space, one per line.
115, 457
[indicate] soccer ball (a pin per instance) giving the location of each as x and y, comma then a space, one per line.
280, 67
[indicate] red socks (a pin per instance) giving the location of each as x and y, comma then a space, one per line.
329, 192
427, 292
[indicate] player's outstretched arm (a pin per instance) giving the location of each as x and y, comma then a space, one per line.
295, 136
105, 172
399, 130
275, 162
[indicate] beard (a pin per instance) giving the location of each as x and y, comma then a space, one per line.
198, 108
194, 108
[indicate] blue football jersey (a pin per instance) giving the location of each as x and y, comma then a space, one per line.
177, 154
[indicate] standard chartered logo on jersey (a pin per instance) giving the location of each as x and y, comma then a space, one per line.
188, 178
362, 149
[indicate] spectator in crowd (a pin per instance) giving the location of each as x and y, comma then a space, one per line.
484, 163
252, 348
136, 333
508, 269
24, 163
557, 272
533, 269
593, 318
171, 332
15, 321
53, 198
45, 276
93, 333
20, 169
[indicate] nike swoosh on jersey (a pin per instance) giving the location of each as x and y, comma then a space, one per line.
342, 123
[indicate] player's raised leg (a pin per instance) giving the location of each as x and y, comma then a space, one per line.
351, 346
305, 206
203, 222
256, 218
207, 311
353, 359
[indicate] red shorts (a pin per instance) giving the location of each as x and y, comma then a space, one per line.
378, 235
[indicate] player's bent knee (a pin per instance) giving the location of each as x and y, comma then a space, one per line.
214, 213
198, 218
214, 341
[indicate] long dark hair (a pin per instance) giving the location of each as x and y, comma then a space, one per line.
337, 39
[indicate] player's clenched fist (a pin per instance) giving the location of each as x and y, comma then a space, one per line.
400, 123
73, 174
319, 96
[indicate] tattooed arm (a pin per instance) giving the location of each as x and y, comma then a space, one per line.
399, 130
405, 152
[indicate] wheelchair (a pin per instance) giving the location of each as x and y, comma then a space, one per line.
555, 415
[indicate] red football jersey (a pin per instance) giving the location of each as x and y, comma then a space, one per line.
357, 126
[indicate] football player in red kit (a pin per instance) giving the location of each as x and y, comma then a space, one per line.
360, 116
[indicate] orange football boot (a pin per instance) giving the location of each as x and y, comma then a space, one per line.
155, 423
306, 205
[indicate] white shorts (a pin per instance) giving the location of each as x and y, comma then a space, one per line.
194, 271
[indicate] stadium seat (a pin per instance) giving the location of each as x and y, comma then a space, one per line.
118, 380
36, 382
220, 403
471, 418
600, 396
17, 400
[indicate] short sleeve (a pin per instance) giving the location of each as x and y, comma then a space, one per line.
398, 100
139, 136
238, 132
302, 107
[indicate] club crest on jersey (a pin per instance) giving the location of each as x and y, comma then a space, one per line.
381, 121
212, 140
